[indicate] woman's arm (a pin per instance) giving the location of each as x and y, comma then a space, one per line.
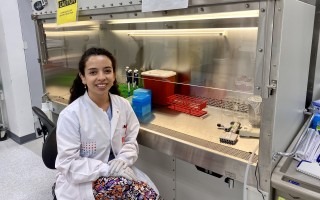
130, 149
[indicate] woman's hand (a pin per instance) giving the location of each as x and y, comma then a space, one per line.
126, 173
119, 167
116, 165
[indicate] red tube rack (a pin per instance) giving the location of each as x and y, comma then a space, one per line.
186, 104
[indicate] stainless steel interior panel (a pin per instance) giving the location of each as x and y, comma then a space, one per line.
223, 59
64, 47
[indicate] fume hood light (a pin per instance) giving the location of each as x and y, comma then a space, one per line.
173, 32
69, 33
223, 15
72, 24
177, 34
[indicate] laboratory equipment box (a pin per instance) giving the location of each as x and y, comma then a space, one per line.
141, 102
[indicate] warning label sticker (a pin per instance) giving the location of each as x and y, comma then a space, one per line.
67, 11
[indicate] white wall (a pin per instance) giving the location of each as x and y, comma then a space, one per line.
14, 72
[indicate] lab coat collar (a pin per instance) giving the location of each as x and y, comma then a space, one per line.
115, 110
91, 103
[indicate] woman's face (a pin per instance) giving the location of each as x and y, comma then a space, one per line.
98, 75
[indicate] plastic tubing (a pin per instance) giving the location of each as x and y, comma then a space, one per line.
245, 195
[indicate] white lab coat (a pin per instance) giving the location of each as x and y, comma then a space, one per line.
84, 135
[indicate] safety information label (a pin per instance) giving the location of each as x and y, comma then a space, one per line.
156, 5
67, 11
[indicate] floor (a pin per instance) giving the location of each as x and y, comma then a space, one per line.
23, 175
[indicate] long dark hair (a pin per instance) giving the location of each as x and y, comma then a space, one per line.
77, 89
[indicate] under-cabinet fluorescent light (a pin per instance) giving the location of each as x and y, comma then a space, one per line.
72, 24
181, 32
69, 33
223, 15
177, 32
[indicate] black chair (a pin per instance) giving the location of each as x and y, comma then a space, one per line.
45, 123
49, 148
48, 130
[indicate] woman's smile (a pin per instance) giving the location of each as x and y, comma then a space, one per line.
101, 85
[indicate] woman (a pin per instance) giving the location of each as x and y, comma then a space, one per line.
96, 137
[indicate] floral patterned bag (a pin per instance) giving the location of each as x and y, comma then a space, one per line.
118, 188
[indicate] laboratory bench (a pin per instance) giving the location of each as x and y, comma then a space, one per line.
194, 139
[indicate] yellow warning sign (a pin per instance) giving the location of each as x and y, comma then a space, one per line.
281, 198
67, 11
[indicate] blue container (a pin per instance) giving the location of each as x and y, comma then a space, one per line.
315, 121
141, 102
316, 106
141, 92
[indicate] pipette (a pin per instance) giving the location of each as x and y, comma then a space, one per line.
129, 79
135, 78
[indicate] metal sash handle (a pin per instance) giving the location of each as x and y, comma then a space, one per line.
303, 132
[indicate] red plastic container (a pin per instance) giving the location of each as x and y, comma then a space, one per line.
161, 83
190, 105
